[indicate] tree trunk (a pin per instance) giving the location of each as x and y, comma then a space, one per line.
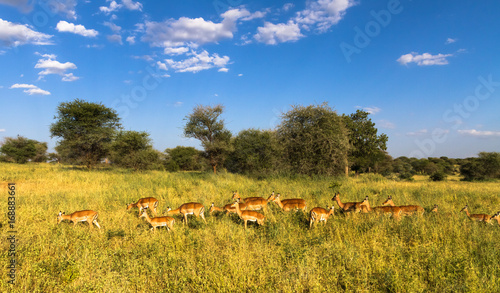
215, 168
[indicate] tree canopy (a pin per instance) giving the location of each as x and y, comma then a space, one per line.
85, 130
21, 150
204, 124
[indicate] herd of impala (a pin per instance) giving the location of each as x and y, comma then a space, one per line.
247, 208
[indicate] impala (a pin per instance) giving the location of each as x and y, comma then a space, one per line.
348, 206
434, 209
496, 217
251, 216
227, 208
80, 216
159, 221
406, 210
395, 212
290, 204
258, 203
144, 203
190, 208
476, 217
320, 214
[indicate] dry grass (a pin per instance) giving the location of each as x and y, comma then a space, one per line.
361, 253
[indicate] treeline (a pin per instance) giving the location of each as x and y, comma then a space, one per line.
310, 140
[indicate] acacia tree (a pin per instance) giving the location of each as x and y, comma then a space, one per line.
86, 131
314, 140
367, 148
133, 149
205, 125
22, 150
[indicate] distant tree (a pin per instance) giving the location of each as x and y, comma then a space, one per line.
184, 158
133, 149
22, 150
367, 147
86, 131
485, 166
403, 167
205, 125
254, 151
314, 140
438, 176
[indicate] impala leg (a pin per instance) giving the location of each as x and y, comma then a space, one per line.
185, 219
97, 224
203, 217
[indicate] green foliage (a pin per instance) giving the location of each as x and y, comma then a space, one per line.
254, 152
185, 159
205, 125
22, 150
486, 166
86, 130
368, 148
133, 149
314, 140
438, 176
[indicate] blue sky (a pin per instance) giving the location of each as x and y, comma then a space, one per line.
427, 71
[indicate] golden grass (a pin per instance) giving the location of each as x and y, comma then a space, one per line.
360, 253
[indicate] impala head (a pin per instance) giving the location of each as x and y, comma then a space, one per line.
464, 209
276, 198
388, 201
211, 208
271, 197
168, 209
59, 217
336, 196
236, 195
129, 206
435, 208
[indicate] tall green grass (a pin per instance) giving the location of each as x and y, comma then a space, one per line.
442, 252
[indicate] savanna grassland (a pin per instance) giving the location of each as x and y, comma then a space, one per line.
444, 252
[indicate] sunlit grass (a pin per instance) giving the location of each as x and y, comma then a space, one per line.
361, 253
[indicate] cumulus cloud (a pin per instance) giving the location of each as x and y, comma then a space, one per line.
23, 5
198, 62
116, 38
30, 89
480, 133
371, 110
318, 15
273, 34
131, 5
64, 26
13, 35
65, 7
425, 59
115, 28
176, 51
52, 66
131, 40
113, 6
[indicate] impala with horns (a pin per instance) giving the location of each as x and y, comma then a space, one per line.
348, 206
190, 208
290, 204
251, 216
476, 217
159, 221
144, 203
406, 210
319, 214
80, 216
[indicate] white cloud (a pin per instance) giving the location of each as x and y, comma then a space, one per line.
22, 5
66, 7
450, 41
417, 133
198, 62
425, 59
288, 6
176, 51
116, 38
64, 26
115, 28
318, 15
113, 6
14, 35
386, 124
273, 34
480, 133
131, 40
2, 130
162, 66
131, 5
30, 89
371, 110
241, 74
223, 70
52, 66
323, 14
